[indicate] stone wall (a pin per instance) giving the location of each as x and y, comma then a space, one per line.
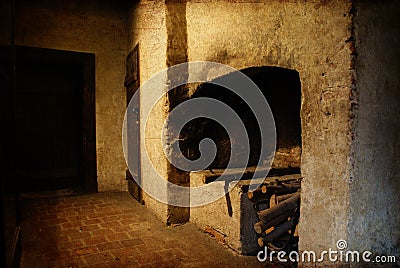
96, 27
375, 185
346, 56
147, 27
312, 38
343, 160
177, 52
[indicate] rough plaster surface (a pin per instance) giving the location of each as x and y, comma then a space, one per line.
350, 187
232, 215
157, 27
147, 27
315, 38
95, 27
374, 190
177, 53
312, 38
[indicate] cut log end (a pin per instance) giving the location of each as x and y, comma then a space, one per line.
258, 227
260, 242
280, 230
264, 189
261, 226
270, 213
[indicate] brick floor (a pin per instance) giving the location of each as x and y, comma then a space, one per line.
112, 230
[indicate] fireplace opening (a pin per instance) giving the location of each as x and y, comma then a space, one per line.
281, 88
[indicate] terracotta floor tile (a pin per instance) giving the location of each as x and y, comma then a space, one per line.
113, 230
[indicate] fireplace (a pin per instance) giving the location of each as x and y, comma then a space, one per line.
234, 216
281, 88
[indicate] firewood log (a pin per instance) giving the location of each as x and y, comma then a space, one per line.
276, 233
281, 189
257, 193
281, 198
261, 226
267, 215
268, 190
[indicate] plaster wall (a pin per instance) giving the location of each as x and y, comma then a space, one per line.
147, 27
375, 187
313, 38
97, 27
344, 160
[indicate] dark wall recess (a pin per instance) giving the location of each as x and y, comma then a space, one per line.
281, 88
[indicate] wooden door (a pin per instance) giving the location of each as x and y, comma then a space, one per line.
133, 124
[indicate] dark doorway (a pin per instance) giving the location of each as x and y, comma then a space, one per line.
54, 120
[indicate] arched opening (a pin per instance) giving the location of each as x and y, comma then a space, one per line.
281, 88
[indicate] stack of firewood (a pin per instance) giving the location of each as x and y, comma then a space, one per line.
277, 206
